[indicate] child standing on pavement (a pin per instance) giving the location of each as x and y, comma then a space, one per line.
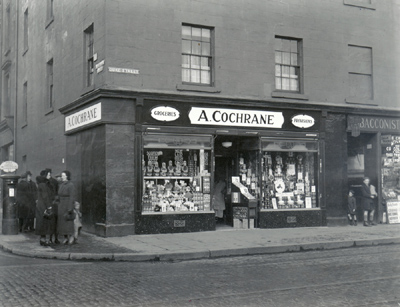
77, 221
351, 207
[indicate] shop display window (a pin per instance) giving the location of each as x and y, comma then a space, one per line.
176, 174
289, 174
390, 167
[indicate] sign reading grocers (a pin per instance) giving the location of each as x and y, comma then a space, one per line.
165, 114
232, 117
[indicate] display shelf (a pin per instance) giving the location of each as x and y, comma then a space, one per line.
169, 177
176, 212
290, 209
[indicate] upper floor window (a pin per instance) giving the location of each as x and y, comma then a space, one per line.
26, 30
6, 105
7, 29
25, 104
50, 84
360, 74
288, 64
50, 13
89, 53
196, 55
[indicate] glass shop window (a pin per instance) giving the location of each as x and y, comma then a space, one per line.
176, 174
390, 167
289, 174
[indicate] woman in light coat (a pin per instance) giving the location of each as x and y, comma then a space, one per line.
67, 197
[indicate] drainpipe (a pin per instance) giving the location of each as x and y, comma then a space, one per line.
16, 81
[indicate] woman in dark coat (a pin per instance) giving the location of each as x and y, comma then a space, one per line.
43, 226
367, 202
67, 196
25, 199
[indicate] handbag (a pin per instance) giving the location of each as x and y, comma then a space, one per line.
48, 213
70, 215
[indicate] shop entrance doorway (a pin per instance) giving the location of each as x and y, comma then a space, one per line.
232, 154
362, 161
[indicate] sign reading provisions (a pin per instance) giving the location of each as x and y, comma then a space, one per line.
84, 117
232, 117
166, 114
303, 121
8, 166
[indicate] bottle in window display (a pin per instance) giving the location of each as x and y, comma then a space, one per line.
156, 169
300, 168
185, 169
178, 169
149, 169
170, 168
164, 169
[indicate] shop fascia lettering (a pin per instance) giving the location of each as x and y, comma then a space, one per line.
379, 123
83, 117
232, 117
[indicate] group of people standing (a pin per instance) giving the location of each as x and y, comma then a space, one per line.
369, 198
52, 203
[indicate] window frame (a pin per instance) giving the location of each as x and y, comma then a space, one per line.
26, 31
25, 105
50, 85
189, 85
89, 56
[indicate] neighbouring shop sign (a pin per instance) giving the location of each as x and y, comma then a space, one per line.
373, 123
393, 211
165, 114
84, 117
232, 117
8, 166
303, 121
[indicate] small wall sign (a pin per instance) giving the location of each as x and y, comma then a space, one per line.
9, 166
303, 121
165, 114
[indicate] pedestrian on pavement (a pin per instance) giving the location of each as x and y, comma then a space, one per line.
44, 224
26, 195
53, 186
351, 209
367, 202
67, 195
77, 221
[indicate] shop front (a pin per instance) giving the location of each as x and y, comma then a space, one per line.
374, 152
266, 165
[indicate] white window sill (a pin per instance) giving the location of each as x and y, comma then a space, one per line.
354, 100
288, 95
356, 3
197, 88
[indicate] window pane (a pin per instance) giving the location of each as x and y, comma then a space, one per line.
294, 85
196, 34
186, 75
293, 46
205, 49
286, 58
278, 70
278, 83
286, 45
285, 84
185, 61
195, 62
205, 65
285, 71
293, 60
205, 77
206, 35
186, 46
195, 76
186, 32
196, 47
293, 73
278, 57
278, 44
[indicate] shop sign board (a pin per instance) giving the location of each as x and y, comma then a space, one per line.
238, 118
8, 166
165, 114
374, 123
303, 121
393, 211
84, 117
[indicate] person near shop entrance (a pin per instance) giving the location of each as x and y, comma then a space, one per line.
368, 202
219, 198
26, 202
351, 207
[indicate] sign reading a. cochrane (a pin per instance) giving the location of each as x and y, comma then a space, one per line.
233, 117
84, 117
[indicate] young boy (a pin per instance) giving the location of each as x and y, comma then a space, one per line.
77, 221
351, 206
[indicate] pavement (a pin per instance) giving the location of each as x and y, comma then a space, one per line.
224, 242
